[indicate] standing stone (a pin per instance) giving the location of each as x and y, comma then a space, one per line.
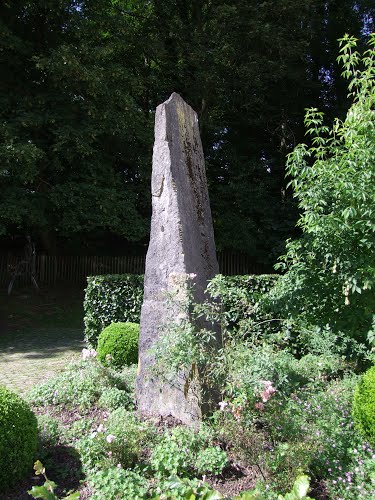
181, 254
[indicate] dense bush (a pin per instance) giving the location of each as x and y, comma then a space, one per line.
115, 483
238, 295
18, 438
183, 450
120, 440
118, 344
109, 299
364, 405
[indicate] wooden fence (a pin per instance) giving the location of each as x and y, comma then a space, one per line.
75, 269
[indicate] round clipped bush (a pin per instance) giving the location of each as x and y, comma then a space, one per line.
118, 344
364, 405
18, 438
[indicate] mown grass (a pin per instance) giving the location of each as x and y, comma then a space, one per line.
39, 334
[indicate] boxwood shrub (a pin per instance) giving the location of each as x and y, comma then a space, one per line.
119, 342
118, 298
364, 405
111, 299
18, 439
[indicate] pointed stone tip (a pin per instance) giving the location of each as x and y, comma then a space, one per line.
174, 97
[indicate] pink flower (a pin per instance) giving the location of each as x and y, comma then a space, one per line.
259, 406
237, 411
268, 391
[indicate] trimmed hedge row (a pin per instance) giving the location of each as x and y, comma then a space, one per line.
118, 298
111, 298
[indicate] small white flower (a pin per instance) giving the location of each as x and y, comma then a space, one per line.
222, 405
110, 438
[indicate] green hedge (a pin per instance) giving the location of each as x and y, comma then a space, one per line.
118, 298
110, 299
238, 293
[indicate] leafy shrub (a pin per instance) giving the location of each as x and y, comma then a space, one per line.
18, 438
49, 430
118, 441
364, 405
183, 450
79, 428
211, 460
130, 437
238, 295
330, 270
176, 488
109, 299
115, 483
114, 398
81, 384
118, 344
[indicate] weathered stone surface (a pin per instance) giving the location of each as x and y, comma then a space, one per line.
181, 252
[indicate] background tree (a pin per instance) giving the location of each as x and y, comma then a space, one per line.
74, 135
81, 82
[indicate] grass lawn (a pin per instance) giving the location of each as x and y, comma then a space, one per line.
39, 334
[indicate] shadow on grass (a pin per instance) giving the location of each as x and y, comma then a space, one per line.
35, 343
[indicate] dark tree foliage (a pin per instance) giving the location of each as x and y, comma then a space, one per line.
80, 82
73, 131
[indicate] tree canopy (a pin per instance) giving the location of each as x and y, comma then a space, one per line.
80, 83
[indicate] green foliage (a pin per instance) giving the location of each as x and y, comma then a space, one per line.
118, 298
298, 492
330, 270
364, 405
110, 299
118, 441
184, 451
81, 384
239, 295
115, 483
67, 144
47, 490
49, 431
211, 460
176, 488
118, 344
18, 438
113, 398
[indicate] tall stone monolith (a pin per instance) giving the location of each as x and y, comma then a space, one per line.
181, 256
